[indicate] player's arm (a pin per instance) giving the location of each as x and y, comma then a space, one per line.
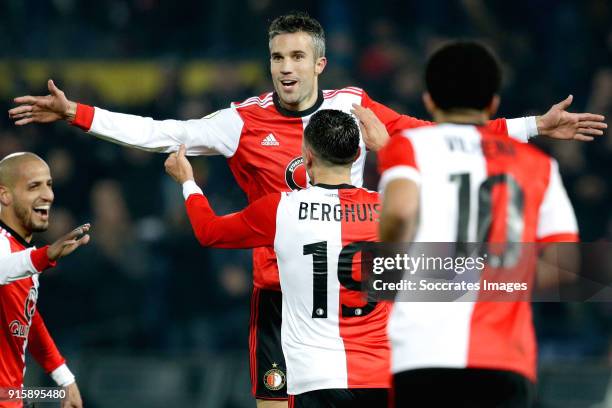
557, 123
556, 218
522, 128
557, 230
45, 352
218, 133
399, 187
22, 264
255, 226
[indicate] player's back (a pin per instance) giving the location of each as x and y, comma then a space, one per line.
332, 338
475, 186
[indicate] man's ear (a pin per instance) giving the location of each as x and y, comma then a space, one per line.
430, 105
492, 107
320, 65
308, 157
6, 197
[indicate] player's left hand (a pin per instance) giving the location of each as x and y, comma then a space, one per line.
373, 131
558, 123
72, 398
68, 243
178, 167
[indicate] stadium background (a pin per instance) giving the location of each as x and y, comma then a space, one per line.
148, 318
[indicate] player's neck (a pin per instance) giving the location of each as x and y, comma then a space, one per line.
302, 105
461, 116
9, 219
330, 175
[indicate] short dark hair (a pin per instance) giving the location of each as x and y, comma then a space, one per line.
463, 74
299, 22
333, 135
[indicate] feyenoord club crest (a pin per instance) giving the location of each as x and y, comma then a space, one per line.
295, 174
274, 379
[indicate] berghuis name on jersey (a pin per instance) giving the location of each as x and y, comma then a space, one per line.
354, 212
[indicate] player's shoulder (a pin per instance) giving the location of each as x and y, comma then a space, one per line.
525, 151
349, 90
316, 192
434, 131
363, 195
262, 101
300, 194
4, 234
311, 193
5, 241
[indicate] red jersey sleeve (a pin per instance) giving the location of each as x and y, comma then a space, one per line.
255, 226
398, 152
499, 125
397, 160
395, 122
42, 347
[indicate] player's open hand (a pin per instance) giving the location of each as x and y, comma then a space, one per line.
178, 167
69, 243
72, 398
558, 123
43, 109
373, 131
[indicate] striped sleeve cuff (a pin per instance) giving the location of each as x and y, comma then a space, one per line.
190, 187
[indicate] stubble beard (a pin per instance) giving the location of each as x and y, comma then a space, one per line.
26, 218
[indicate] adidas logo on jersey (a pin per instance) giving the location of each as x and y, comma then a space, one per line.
270, 140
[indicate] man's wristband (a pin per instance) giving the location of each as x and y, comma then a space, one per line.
62, 376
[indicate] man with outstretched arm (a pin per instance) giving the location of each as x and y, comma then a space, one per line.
26, 197
460, 182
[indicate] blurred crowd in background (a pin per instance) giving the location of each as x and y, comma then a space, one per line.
144, 283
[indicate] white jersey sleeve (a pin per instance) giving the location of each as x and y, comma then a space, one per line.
217, 133
556, 214
14, 266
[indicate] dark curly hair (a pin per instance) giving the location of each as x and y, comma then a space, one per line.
463, 74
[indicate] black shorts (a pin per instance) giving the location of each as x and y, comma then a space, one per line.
268, 370
454, 387
341, 398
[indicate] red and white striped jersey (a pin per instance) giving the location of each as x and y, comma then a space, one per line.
331, 336
261, 141
470, 176
22, 326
